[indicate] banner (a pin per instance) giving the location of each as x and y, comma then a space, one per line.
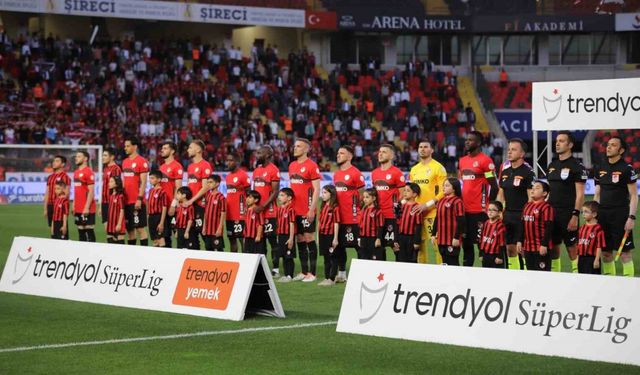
202, 283
163, 10
381, 21
627, 21
586, 105
542, 24
321, 20
558, 314
516, 123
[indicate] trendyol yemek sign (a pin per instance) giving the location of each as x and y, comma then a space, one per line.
586, 105
211, 284
569, 315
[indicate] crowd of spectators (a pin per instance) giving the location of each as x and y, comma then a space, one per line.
63, 91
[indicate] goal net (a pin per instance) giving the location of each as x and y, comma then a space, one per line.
24, 170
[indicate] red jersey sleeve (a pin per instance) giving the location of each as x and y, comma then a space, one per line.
501, 231
336, 214
458, 208
313, 173
190, 213
488, 166
400, 181
65, 207
66, 179
142, 167
88, 178
600, 240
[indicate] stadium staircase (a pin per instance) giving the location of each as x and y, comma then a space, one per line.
468, 95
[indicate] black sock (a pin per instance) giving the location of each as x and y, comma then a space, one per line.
144, 242
275, 259
327, 266
81, 235
313, 256
131, 242
120, 242
288, 266
303, 253
90, 235
110, 240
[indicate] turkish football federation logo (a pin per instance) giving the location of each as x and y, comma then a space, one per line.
552, 106
371, 299
21, 266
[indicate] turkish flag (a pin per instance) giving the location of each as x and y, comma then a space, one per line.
321, 20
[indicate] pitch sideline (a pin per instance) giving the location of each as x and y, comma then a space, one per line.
164, 337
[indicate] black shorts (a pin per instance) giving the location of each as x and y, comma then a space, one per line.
390, 228
447, 251
154, 220
348, 235
198, 216
368, 249
304, 226
188, 243
537, 262
325, 244
270, 227
251, 246
135, 218
105, 212
235, 228
213, 243
612, 221
283, 249
489, 261
585, 265
49, 214
560, 233
169, 222
474, 223
513, 227
83, 220
57, 232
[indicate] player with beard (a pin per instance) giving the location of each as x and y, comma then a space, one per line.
58, 163
109, 169
304, 176
349, 184
135, 170
567, 178
171, 181
430, 176
238, 184
198, 171
266, 181
387, 179
479, 187
84, 206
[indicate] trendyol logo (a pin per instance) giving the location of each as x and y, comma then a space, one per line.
553, 109
373, 297
20, 261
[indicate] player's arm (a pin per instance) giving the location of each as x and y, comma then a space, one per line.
188, 228
494, 186
46, 200
90, 196
141, 189
596, 194
546, 234
120, 220
460, 224
500, 196
633, 205
203, 190
223, 219
259, 234
573, 223
336, 229
596, 261
275, 189
314, 199
163, 216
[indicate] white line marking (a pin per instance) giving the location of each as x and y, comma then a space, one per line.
165, 337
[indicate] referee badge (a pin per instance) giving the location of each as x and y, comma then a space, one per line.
516, 181
564, 173
615, 178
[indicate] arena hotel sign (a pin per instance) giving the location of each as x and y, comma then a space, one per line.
378, 22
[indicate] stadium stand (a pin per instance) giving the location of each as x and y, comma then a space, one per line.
632, 155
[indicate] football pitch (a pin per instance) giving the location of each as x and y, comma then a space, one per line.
41, 335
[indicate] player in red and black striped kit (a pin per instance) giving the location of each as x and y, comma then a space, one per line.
109, 169
449, 226
214, 215
266, 181
371, 221
172, 173
328, 233
409, 226
591, 240
286, 230
184, 213
254, 225
537, 221
197, 172
116, 226
59, 227
158, 207
59, 174
492, 237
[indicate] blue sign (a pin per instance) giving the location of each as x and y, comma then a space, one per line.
516, 123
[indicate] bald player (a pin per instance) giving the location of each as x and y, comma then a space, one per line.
266, 181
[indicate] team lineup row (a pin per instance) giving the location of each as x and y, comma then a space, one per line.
507, 213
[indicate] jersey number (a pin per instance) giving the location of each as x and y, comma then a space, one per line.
349, 237
237, 228
305, 223
268, 227
389, 236
198, 222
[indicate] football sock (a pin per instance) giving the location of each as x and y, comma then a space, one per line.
628, 269
313, 256
90, 235
608, 268
574, 265
556, 265
514, 263
131, 242
303, 253
120, 242
144, 242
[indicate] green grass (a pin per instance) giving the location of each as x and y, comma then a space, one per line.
29, 320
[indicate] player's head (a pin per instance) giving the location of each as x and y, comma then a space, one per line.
213, 181
253, 198
539, 190
329, 195
285, 196
616, 146
590, 210
60, 187
82, 158
115, 185
452, 186
564, 142
168, 149
264, 154
154, 177
495, 209
473, 141
301, 147
183, 194
344, 155
196, 148
425, 149
233, 161
370, 197
108, 155
58, 162
411, 191
131, 145
516, 150
386, 153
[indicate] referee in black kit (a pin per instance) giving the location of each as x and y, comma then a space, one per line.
567, 178
617, 193
515, 181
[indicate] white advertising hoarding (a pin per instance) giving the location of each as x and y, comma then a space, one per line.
627, 21
586, 105
559, 314
202, 283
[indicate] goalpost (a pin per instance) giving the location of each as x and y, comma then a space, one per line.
24, 170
